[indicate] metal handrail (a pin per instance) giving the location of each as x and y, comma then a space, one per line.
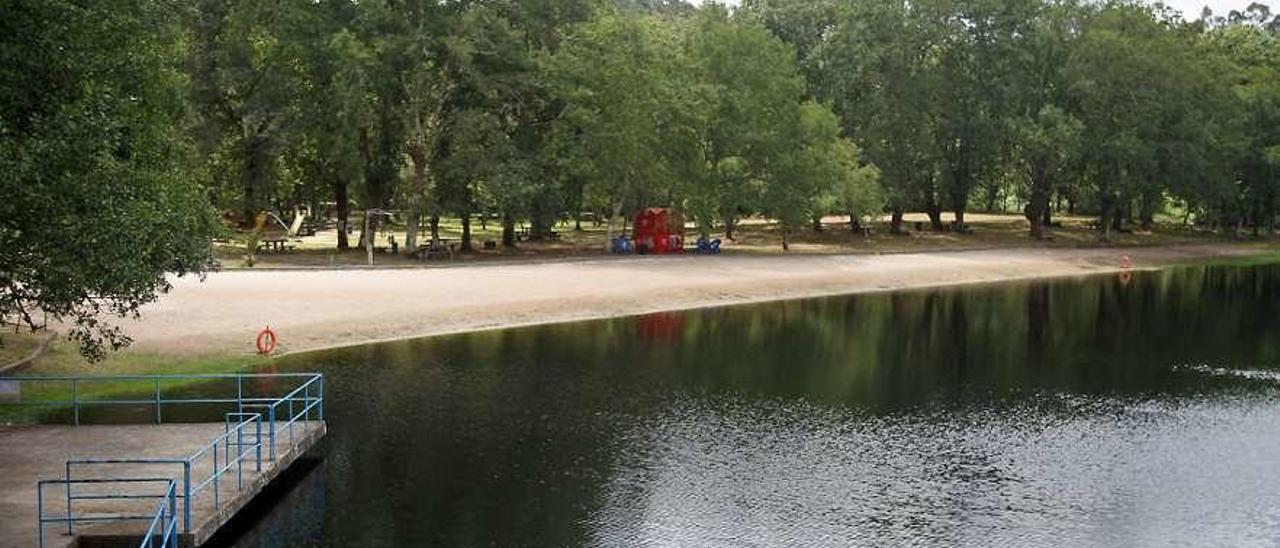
155, 385
220, 449
164, 517
165, 521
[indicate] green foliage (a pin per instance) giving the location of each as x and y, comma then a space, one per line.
123, 120
609, 75
100, 201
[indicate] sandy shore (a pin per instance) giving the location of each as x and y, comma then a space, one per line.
313, 309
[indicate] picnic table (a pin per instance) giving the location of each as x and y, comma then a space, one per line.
277, 244
440, 247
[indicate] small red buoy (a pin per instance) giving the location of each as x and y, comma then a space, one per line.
1125, 262
266, 341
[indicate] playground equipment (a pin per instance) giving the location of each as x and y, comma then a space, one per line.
659, 231
293, 229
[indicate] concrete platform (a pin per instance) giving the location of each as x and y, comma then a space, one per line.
31, 453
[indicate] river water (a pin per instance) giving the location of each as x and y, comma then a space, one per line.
1081, 412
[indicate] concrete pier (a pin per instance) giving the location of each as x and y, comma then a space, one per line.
31, 453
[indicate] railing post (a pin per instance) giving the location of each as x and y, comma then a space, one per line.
158, 419
171, 531
75, 402
71, 517
240, 456
257, 440
306, 401
239, 393
271, 430
40, 514
320, 407
215, 475
186, 496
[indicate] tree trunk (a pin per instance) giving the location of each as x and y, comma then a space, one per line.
935, 218
817, 223
1038, 206
466, 233
786, 244
855, 224
417, 190
958, 226
413, 221
366, 236
435, 228
729, 225
343, 201
895, 222
508, 231
1104, 218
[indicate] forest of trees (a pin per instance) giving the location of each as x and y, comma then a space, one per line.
125, 124
537, 110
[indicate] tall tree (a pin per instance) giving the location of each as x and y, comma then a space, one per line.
248, 72
608, 75
102, 198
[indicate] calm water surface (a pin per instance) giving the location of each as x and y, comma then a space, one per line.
1070, 413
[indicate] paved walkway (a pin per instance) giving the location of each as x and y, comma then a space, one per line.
30, 453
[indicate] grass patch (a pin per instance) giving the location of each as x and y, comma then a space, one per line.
63, 359
1264, 256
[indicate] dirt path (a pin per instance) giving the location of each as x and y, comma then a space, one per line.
323, 308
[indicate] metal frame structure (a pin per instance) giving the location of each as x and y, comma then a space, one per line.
240, 444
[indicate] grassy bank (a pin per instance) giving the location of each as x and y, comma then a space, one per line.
1265, 256
62, 358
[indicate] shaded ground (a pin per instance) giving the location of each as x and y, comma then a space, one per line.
754, 236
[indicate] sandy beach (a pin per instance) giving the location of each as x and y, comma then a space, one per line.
312, 309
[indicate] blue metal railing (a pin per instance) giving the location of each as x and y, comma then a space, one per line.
242, 433
76, 399
162, 522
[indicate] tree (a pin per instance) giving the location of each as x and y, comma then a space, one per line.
248, 71
817, 163
100, 197
338, 108
1045, 147
855, 188
742, 89
880, 78
608, 75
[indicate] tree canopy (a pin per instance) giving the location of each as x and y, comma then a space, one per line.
102, 195
123, 122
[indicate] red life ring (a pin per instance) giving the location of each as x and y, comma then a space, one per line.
266, 341
1125, 262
